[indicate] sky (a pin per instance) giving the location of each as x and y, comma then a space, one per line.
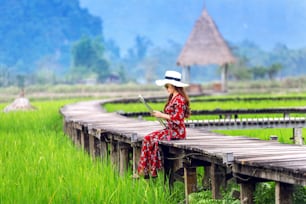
265, 22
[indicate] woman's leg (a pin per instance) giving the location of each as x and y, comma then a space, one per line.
150, 159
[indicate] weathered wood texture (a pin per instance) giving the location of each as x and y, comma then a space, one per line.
253, 159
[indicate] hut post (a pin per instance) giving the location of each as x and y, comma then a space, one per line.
186, 74
224, 76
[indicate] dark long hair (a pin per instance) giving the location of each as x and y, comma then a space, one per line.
181, 90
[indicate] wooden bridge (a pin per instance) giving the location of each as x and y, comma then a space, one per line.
246, 160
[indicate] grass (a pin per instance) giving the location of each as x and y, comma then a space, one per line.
39, 164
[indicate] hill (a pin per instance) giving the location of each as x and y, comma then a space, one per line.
35, 31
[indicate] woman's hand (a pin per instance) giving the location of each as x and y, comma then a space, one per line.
156, 114
159, 114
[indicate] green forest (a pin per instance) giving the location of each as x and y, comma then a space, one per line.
58, 42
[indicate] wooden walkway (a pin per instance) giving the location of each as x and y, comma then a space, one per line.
246, 160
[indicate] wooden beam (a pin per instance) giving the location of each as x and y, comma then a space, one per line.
268, 174
283, 193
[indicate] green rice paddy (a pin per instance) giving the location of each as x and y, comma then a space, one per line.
40, 164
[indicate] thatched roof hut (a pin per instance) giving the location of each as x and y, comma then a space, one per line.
204, 46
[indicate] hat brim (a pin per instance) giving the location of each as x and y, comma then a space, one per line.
163, 82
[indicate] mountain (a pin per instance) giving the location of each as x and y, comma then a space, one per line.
143, 36
263, 22
33, 29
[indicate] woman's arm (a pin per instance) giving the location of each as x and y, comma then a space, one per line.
159, 114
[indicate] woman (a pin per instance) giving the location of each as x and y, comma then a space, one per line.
176, 109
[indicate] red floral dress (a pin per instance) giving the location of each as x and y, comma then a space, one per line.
150, 158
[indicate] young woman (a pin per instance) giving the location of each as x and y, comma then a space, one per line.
175, 111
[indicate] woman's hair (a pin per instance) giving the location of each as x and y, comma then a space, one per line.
181, 90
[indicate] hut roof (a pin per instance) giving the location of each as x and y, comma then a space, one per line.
205, 45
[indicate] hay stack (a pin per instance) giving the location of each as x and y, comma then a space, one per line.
20, 103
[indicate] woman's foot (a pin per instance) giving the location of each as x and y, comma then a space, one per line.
135, 176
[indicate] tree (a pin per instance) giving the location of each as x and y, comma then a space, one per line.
259, 72
239, 70
273, 70
141, 47
87, 58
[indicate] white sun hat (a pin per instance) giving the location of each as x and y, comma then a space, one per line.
171, 77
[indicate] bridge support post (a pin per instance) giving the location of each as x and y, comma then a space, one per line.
114, 153
78, 138
136, 156
97, 147
206, 182
91, 145
123, 158
190, 180
218, 180
73, 133
85, 140
298, 136
283, 193
246, 192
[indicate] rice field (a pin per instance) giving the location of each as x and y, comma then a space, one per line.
39, 164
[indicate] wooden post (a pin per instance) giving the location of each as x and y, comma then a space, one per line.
190, 180
103, 146
97, 147
246, 192
224, 76
123, 158
206, 179
298, 136
91, 145
66, 127
85, 141
186, 74
283, 193
286, 115
136, 156
73, 133
78, 137
218, 180
114, 153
